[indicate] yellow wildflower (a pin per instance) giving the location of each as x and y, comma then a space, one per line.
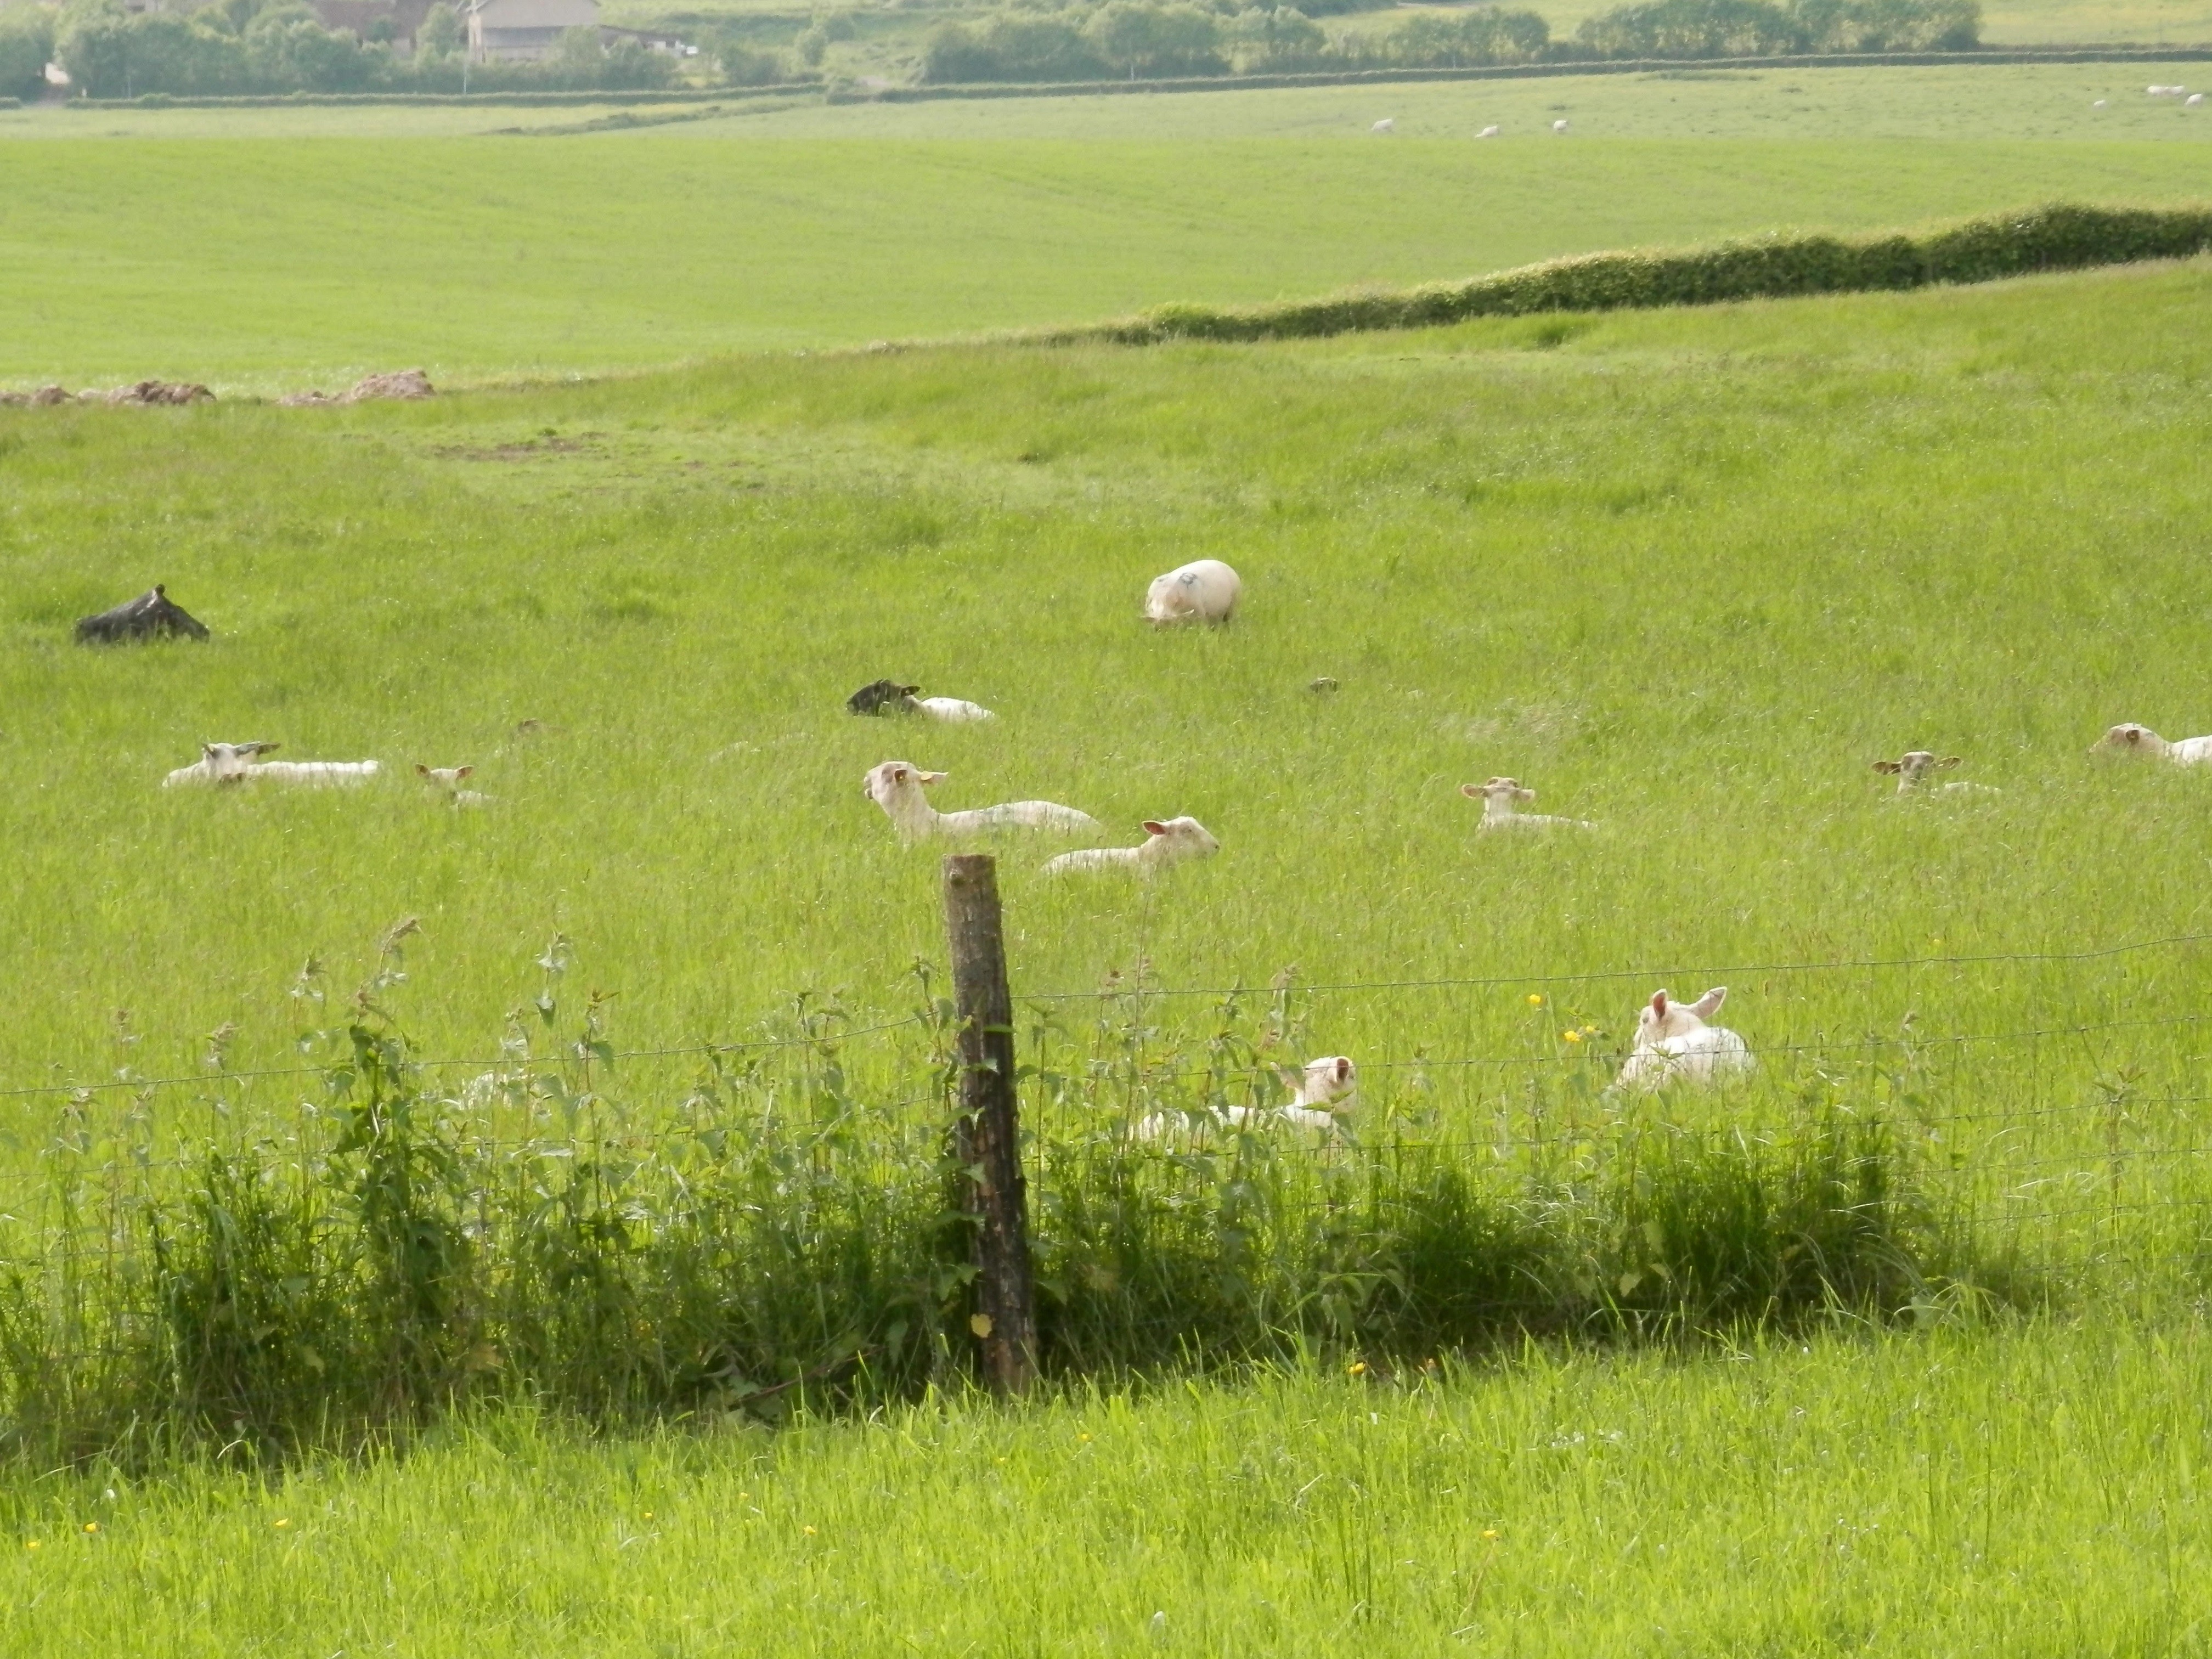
1490, 1534
31, 1544
1535, 1000
809, 1531
92, 1526
285, 1521
1571, 1036
1358, 1368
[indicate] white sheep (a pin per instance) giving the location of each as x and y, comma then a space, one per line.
219, 762
1911, 769
2129, 739
2099, 104
896, 787
1167, 842
1490, 131
1384, 126
449, 779
1205, 590
1324, 1091
1559, 125
1674, 1044
1501, 799
315, 775
2194, 99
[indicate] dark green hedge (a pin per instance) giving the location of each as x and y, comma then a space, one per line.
2059, 237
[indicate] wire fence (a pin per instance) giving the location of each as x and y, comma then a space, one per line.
793, 1187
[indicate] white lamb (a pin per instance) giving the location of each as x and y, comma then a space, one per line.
1501, 799
2194, 99
1167, 842
1558, 126
1674, 1044
1205, 590
1321, 1095
315, 775
896, 787
219, 762
449, 779
2129, 738
1384, 126
953, 711
1911, 769
1487, 132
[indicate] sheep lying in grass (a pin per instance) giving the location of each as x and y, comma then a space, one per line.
896, 787
219, 762
1501, 799
1205, 590
888, 697
448, 780
1171, 841
233, 763
2129, 739
1488, 132
1324, 1092
1674, 1044
1911, 769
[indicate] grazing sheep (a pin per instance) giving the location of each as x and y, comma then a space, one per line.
1384, 126
1322, 685
152, 614
2129, 739
1911, 769
896, 787
1205, 590
1172, 842
1674, 1044
449, 779
1326, 1088
1488, 132
2099, 104
1501, 799
888, 697
219, 762
1559, 125
2194, 99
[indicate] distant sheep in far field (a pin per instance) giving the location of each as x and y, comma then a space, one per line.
1488, 132
1559, 125
1205, 590
1384, 126
896, 787
1172, 842
2129, 739
219, 762
233, 763
2194, 99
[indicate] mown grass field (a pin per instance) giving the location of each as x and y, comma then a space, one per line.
267, 257
2034, 1493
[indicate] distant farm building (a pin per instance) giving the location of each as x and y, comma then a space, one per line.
521, 31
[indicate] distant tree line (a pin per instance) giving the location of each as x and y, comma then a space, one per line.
259, 46
1143, 40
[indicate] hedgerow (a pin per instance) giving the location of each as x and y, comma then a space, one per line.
2058, 237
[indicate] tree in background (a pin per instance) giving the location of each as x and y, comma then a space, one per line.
1690, 29
439, 35
1012, 46
26, 47
1283, 39
1888, 25
1145, 42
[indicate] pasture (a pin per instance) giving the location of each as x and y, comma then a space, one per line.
2034, 1492
281, 248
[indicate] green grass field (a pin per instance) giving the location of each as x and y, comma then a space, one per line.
254, 264
2034, 1493
1686, 573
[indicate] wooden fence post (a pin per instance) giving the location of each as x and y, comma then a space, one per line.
987, 1130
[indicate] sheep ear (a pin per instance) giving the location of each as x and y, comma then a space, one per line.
909, 690
933, 777
1659, 1004
1154, 827
1471, 791
899, 774
465, 771
266, 748
206, 751
1947, 762
1888, 766
421, 771
1521, 792
1343, 1068
1710, 1004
